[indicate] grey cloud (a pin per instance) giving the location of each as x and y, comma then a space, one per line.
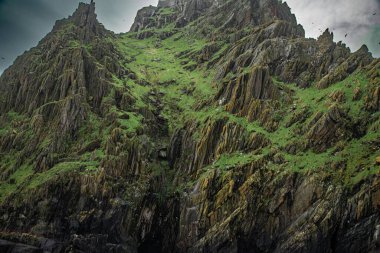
350, 26
352, 17
118, 15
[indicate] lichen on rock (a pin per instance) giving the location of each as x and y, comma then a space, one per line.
212, 126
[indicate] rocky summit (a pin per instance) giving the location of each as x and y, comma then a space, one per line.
212, 126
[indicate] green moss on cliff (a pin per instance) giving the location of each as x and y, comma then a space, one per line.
168, 73
229, 161
14, 181
61, 168
162, 65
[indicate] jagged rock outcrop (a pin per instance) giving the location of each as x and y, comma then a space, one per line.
358, 59
216, 138
123, 156
143, 18
85, 19
239, 94
297, 60
373, 97
166, 3
328, 129
253, 95
63, 65
61, 81
238, 14
222, 213
222, 14
191, 9
209, 139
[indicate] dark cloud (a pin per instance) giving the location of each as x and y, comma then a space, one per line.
23, 23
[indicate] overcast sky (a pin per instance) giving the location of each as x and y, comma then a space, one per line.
24, 22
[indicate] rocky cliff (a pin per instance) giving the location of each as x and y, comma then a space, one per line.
212, 126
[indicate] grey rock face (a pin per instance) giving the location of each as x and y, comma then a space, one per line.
236, 13
142, 18
66, 85
167, 3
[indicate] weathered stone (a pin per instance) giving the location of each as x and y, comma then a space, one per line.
357, 94
119, 190
162, 154
254, 85
358, 59
142, 18
329, 129
337, 96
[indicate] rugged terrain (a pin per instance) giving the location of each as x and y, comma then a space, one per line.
212, 126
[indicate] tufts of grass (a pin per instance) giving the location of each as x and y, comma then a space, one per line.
228, 161
14, 181
61, 168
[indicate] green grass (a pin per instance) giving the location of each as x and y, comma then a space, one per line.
361, 157
229, 161
131, 124
61, 168
14, 181
161, 66
166, 11
9, 120
309, 160
318, 99
355, 152
74, 44
139, 92
163, 70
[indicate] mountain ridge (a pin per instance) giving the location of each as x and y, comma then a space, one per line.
197, 131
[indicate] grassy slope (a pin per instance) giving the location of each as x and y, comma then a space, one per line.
163, 65
168, 68
165, 71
